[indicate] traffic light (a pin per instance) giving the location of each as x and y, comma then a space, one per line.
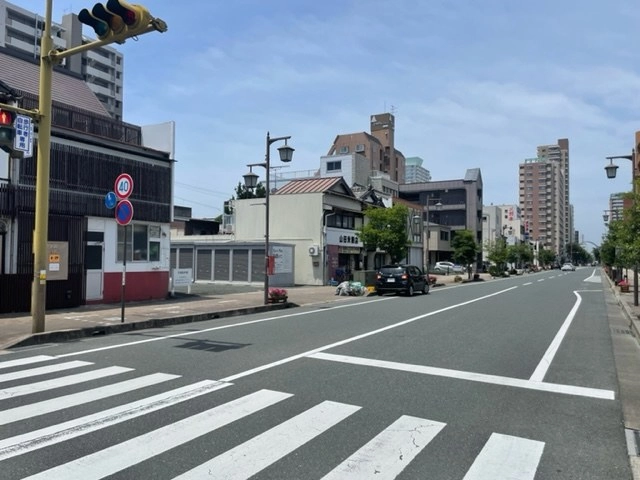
7, 130
117, 20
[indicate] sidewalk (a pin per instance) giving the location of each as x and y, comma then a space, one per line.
90, 320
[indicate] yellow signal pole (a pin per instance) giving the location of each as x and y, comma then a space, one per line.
48, 58
40, 233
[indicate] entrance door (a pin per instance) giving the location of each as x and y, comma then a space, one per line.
93, 261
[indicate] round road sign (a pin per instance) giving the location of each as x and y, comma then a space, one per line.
110, 200
124, 212
124, 185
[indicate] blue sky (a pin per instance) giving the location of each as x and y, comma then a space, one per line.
474, 84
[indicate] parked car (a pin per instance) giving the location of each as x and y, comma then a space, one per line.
400, 278
568, 267
448, 267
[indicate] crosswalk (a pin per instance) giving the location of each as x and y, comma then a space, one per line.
35, 426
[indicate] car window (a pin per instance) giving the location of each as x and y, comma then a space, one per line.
392, 270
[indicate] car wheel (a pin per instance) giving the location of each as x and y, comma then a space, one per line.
410, 291
425, 289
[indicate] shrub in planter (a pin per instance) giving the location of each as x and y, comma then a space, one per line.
277, 294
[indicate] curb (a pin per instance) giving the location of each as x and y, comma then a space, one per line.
75, 333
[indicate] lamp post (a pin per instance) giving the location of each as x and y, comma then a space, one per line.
611, 173
428, 233
251, 182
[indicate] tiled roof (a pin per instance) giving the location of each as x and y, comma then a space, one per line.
25, 76
309, 185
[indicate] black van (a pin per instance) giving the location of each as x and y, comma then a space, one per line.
401, 278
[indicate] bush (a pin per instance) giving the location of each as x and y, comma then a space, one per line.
457, 278
494, 271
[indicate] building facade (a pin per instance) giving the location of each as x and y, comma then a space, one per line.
542, 202
101, 68
86, 245
378, 147
415, 172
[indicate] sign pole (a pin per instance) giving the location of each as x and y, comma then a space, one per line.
124, 276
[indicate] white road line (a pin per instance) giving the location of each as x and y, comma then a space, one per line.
470, 376
44, 437
25, 361
34, 372
221, 327
74, 399
545, 363
20, 390
504, 456
384, 457
126, 454
267, 366
528, 283
542, 279
254, 455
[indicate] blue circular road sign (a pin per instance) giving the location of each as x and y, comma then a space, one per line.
110, 200
124, 212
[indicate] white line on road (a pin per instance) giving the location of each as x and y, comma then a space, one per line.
221, 327
357, 337
545, 363
30, 441
379, 458
27, 389
34, 372
80, 398
26, 361
126, 454
528, 283
542, 279
504, 456
254, 455
470, 376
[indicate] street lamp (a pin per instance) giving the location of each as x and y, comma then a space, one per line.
428, 234
251, 182
611, 173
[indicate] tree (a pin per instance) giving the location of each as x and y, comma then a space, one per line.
386, 229
545, 257
519, 254
497, 254
244, 192
465, 248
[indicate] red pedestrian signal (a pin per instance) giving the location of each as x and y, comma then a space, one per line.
7, 130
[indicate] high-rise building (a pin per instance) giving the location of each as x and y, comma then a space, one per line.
414, 172
542, 202
101, 68
559, 153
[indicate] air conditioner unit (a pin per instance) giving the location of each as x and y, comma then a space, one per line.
314, 250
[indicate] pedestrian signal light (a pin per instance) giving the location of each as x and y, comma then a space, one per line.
7, 130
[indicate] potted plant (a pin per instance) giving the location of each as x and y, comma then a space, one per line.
277, 295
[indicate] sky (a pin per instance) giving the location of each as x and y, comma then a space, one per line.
472, 84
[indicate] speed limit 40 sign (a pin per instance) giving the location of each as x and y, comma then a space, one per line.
123, 186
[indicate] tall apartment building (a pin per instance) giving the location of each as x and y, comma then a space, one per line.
414, 171
559, 153
542, 202
378, 147
101, 68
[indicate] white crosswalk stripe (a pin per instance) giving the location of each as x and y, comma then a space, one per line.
34, 372
48, 406
258, 453
384, 457
29, 388
379, 458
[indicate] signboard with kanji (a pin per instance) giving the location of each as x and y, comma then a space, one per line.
23, 140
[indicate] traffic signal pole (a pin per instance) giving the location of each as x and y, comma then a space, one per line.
48, 58
40, 233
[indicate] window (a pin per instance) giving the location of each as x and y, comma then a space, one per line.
344, 149
333, 166
142, 243
444, 236
360, 147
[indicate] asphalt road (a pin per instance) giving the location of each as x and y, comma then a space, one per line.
504, 379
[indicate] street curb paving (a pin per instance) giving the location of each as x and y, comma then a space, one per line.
76, 333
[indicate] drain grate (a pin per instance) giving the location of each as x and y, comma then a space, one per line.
633, 441
621, 331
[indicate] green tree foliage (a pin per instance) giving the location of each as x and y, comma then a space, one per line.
386, 229
577, 254
465, 248
545, 257
243, 192
519, 254
497, 254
